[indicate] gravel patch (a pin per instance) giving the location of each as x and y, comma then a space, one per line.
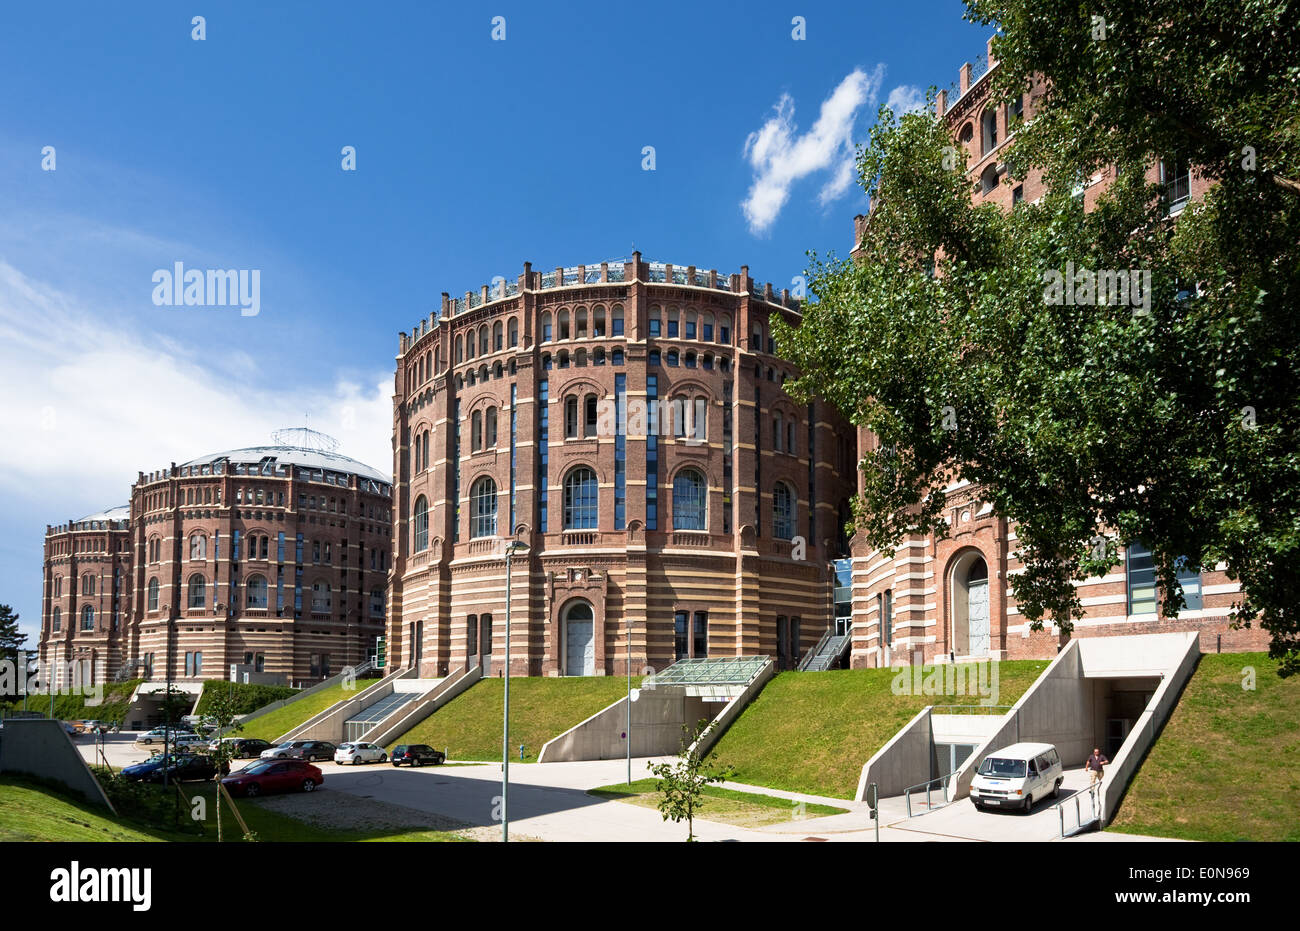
345, 812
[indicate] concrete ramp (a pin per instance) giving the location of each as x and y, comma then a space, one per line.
426, 703
689, 691
329, 724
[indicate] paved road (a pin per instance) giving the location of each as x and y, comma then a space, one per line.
550, 802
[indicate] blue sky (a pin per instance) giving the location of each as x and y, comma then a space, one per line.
472, 156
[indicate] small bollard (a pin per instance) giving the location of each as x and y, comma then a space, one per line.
521, 753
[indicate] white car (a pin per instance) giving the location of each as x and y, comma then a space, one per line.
159, 734
189, 742
357, 753
1017, 776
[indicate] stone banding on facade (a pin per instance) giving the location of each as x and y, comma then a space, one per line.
211, 549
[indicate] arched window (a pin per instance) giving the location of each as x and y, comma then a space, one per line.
198, 592
989, 130
460, 349
690, 501
87, 584
255, 592
484, 341
590, 410
514, 332
571, 417
778, 433
598, 321
616, 326
989, 179
153, 594
476, 431
198, 546
490, 428
420, 528
724, 330
483, 508
562, 325
498, 336
88, 617
320, 597
546, 327
782, 512
56, 621
469, 345
425, 447
581, 500
580, 323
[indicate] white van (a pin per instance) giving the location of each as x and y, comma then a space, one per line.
1017, 776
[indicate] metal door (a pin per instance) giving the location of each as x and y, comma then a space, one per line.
579, 648
978, 595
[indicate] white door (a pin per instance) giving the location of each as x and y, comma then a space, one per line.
978, 593
579, 648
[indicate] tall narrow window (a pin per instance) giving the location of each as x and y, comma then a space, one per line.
571, 417
543, 433
652, 453
153, 594
783, 508
490, 428
581, 506
700, 635
1141, 570
483, 508
198, 591
690, 495
420, 541
589, 417
620, 450
681, 634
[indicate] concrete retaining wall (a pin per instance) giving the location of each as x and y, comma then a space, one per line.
328, 724
734, 708
908, 758
403, 719
1147, 727
39, 747
658, 716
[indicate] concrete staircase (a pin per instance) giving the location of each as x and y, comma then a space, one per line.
826, 653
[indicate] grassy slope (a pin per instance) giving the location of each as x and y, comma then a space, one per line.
282, 720
33, 812
540, 708
117, 697
813, 731
1227, 764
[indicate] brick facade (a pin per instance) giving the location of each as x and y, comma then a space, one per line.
211, 550
925, 586
683, 334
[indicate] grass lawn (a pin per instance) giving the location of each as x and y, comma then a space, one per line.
743, 809
282, 720
30, 811
1226, 766
117, 698
541, 707
813, 731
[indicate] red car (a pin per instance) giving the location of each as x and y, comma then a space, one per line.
273, 776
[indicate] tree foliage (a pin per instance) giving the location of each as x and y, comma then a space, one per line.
1090, 424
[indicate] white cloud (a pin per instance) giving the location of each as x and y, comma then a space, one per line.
89, 403
906, 98
780, 157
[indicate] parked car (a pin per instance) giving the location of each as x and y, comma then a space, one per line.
273, 776
1017, 776
182, 768
159, 735
308, 750
355, 752
243, 747
69, 728
417, 755
189, 742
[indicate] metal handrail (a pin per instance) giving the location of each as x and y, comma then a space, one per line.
1077, 797
929, 806
808, 658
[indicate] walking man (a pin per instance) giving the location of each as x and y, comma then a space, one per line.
1094, 766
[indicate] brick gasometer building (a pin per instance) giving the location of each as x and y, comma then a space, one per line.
946, 599
627, 422
274, 558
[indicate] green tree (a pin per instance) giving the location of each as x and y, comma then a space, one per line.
11, 640
681, 783
1089, 424
222, 706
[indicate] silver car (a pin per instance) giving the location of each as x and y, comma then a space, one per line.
356, 753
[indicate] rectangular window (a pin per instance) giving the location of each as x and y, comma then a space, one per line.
672, 329
234, 545
514, 430
543, 434
654, 326
681, 635
1141, 579
690, 329
620, 452
700, 635
1191, 583
617, 329
279, 547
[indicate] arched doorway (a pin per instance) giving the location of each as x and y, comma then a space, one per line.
970, 605
579, 633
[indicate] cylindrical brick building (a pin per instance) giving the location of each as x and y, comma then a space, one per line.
627, 422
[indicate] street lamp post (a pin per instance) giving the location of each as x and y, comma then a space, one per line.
629, 700
512, 547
